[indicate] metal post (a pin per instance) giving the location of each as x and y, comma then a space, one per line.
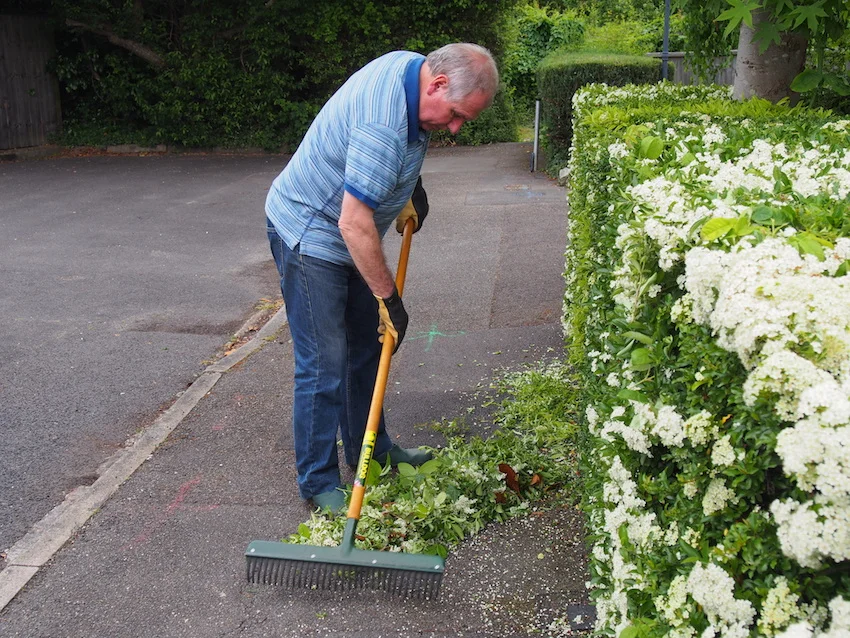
665, 50
536, 135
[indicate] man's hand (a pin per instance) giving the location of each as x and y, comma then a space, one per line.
417, 208
393, 318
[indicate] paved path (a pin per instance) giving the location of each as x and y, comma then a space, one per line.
163, 555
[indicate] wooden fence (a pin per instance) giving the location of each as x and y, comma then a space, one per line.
679, 73
29, 94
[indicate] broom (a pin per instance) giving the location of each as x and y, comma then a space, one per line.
346, 568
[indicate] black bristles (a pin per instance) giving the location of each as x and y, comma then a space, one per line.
339, 577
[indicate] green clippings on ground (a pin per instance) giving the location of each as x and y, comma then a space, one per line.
473, 481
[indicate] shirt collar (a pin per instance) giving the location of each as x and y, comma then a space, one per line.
411, 90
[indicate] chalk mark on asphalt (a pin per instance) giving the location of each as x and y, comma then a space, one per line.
432, 334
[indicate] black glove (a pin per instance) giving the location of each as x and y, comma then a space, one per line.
393, 318
417, 208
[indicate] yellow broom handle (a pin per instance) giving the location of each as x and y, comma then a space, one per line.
370, 436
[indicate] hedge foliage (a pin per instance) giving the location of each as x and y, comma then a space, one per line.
708, 314
531, 34
560, 75
220, 73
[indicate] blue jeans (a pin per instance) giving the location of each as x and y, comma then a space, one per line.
333, 320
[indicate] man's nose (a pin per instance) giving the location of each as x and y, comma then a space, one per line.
454, 126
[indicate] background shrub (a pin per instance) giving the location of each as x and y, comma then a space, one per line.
634, 37
496, 124
531, 34
219, 73
562, 74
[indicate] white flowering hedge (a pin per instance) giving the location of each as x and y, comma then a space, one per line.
708, 309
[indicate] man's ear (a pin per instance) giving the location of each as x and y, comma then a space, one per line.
438, 82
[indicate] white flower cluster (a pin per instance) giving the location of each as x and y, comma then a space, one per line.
667, 216
713, 590
632, 434
779, 609
839, 611
675, 607
723, 454
769, 292
769, 304
623, 506
701, 428
717, 495
813, 530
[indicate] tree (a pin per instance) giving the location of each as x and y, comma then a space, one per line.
782, 44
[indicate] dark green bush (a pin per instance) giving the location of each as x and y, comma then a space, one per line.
220, 73
532, 34
496, 124
562, 74
838, 104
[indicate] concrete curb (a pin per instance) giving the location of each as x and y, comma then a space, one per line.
51, 533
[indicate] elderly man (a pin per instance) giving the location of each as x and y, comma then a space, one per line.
327, 211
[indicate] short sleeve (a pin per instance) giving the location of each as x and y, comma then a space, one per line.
373, 163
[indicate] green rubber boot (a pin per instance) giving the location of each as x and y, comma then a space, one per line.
333, 501
412, 455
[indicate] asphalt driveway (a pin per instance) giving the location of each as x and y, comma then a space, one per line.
120, 276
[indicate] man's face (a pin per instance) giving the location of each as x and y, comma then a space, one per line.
437, 113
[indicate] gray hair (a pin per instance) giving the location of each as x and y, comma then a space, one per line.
469, 67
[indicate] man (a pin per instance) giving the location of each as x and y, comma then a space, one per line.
327, 211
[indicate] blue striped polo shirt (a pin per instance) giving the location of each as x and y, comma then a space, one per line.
366, 140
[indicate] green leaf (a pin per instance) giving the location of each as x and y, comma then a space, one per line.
766, 216
641, 359
741, 11
629, 632
406, 469
716, 228
767, 34
809, 14
651, 147
763, 214
808, 244
437, 550
429, 467
632, 395
783, 182
373, 474
649, 282
304, 530
837, 83
742, 226
808, 80
638, 336
623, 533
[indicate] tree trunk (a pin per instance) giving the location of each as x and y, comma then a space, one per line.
768, 75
